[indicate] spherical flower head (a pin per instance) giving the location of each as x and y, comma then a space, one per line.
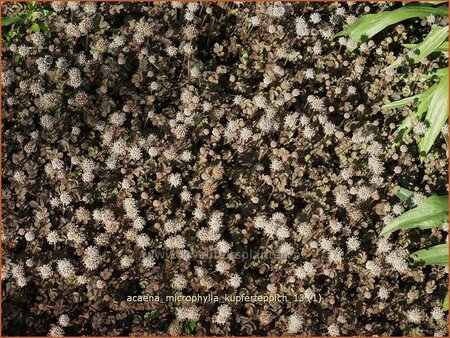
45, 271
309, 269
215, 221
175, 242
172, 51
341, 198
186, 195
135, 153
437, 314
245, 134
152, 152
53, 237
309, 74
56, 331
282, 232
353, 243
336, 255
74, 78
19, 176
286, 250
174, 180
223, 314
418, 198
335, 226
223, 247
326, 244
300, 273
148, 262
397, 209
234, 281
290, 121
383, 245
191, 312
65, 268
305, 229
276, 165
188, 49
333, 330
179, 282
82, 280
131, 210
126, 261
117, 119
383, 293
295, 323
414, 316
65, 198
301, 27
58, 6
29, 236
119, 147
172, 226
397, 260
64, 320
143, 241
222, 266
47, 122
91, 258
373, 268
255, 21
315, 18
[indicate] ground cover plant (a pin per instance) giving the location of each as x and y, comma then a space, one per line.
221, 149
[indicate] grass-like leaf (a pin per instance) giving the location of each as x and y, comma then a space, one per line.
431, 213
435, 255
431, 43
436, 116
440, 72
445, 304
369, 25
405, 195
443, 47
405, 126
400, 103
9, 20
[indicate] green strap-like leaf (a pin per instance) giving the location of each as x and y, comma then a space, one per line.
431, 213
369, 25
404, 194
400, 103
436, 116
9, 20
445, 304
441, 72
442, 48
424, 102
35, 28
435, 255
431, 43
